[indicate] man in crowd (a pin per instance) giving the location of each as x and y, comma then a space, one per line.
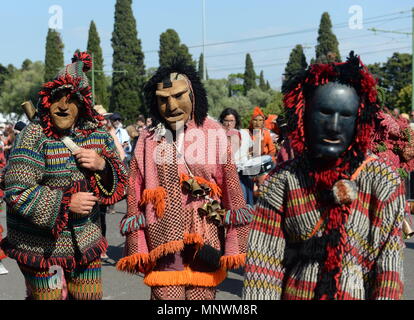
328, 224
187, 221
122, 134
64, 164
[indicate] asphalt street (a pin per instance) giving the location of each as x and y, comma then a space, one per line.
121, 286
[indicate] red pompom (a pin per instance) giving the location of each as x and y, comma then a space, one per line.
85, 58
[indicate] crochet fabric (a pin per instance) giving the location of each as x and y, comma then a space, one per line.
83, 283
40, 178
284, 259
163, 227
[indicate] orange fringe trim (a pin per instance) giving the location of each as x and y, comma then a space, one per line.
142, 262
233, 262
193, 238
166, 248
186, 277
157, 198
133, 264
215, 189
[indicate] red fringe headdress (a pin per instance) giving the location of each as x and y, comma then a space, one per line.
73, 79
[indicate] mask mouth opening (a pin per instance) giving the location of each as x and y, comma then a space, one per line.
331, 141
62, 114
175, 114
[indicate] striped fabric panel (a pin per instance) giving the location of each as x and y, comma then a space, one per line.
287, 212
264, 271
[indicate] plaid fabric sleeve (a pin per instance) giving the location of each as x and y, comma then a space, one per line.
24, 193
389, 265
237, 218
264, 271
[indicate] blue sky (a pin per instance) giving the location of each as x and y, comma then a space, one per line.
24, 24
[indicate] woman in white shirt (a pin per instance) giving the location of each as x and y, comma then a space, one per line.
241, 144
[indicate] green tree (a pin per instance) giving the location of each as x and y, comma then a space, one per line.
296, 63
54, 55
393, 75
22, 85
258, 97
275, 106
171, 48
270, 101
249, 75
26, 63
4, 75
404, 99
127, 95
235, 84
201, 67
262, 83
95, 50
397, 75
327, 48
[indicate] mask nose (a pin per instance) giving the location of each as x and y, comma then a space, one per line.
63, 108
333, 124
172, 104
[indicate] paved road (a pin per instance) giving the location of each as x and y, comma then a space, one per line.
121, 286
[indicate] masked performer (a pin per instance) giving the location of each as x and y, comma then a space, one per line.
187, 220
328, 225
64, 163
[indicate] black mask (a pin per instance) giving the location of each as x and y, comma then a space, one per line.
330, 120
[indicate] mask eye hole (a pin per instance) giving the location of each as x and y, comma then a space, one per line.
325, 111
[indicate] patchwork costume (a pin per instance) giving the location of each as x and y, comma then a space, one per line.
328, 233
183, 246
41, 176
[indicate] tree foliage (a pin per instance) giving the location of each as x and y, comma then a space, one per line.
24, 84
404, 99
171, 48
217, 89
296, 62
100, 85
262, 82
249, 75
128, 64
235, 83
201, 66
54, 55
393, 75
327, 49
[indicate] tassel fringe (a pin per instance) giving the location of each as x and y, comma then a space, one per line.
40, 262
185, 277
141, 262
233, 262
131, 224
157, 198
134, 264
239, 217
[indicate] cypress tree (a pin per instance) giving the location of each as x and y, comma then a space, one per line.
201, 67
94, 48
268, 87
249, 75
127, 97
54, 55
296, 63
171, 48
262, 83
327, 48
